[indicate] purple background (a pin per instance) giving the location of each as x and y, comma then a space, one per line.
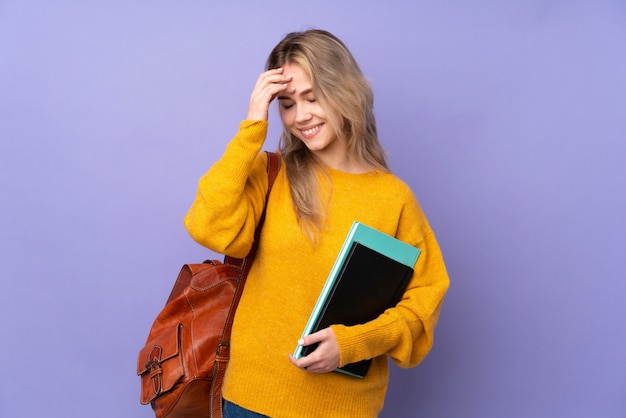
507, 118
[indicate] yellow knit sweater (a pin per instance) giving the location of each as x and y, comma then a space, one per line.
289, 272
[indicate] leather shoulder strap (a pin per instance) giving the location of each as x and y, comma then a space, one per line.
273, 167
223, 350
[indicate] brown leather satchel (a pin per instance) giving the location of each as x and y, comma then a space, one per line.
183, 363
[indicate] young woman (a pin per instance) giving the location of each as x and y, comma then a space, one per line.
333, 173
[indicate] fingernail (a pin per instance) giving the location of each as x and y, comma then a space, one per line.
300, 341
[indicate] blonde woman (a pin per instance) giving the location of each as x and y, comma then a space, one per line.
334, 172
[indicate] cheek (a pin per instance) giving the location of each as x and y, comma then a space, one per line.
318, 110
286, 117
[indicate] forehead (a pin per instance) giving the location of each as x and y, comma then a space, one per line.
300, 82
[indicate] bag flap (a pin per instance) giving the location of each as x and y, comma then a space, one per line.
160, 364
163, 347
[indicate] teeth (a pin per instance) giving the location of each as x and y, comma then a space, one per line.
311, 131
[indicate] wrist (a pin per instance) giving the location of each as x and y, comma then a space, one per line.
256, 114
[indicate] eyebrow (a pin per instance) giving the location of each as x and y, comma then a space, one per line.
302, 93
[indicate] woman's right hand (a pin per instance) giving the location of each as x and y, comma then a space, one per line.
267, 87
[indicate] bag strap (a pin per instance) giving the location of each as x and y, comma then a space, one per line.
223, 349
222, 355
273, 166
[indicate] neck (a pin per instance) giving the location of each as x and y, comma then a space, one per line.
345, 163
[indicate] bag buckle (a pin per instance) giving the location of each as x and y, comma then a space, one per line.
154, 367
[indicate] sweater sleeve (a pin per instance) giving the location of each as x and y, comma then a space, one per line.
404, 332
231, 195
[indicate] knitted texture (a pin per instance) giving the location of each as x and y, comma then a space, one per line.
289, 272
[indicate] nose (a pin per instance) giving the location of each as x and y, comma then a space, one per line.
303, 113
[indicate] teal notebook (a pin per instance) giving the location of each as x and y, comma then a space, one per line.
370, 274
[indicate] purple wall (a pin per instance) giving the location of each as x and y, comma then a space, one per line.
508, 119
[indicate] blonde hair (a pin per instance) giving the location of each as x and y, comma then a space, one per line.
345, 95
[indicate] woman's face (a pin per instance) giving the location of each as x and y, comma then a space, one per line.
302, 114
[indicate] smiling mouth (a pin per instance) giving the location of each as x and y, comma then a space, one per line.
311, 131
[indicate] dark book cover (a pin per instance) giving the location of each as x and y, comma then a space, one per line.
367, 284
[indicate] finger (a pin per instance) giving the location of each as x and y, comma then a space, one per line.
270, 88
262, 99
316, 337
269, 84
270, 73
301, 363
272, 77
311, 363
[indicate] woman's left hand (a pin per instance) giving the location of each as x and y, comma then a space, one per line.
325, 358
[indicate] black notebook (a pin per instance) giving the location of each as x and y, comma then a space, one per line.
365, 284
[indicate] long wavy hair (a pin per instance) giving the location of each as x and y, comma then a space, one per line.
347, 99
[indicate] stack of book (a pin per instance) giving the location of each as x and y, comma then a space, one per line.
369, 275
